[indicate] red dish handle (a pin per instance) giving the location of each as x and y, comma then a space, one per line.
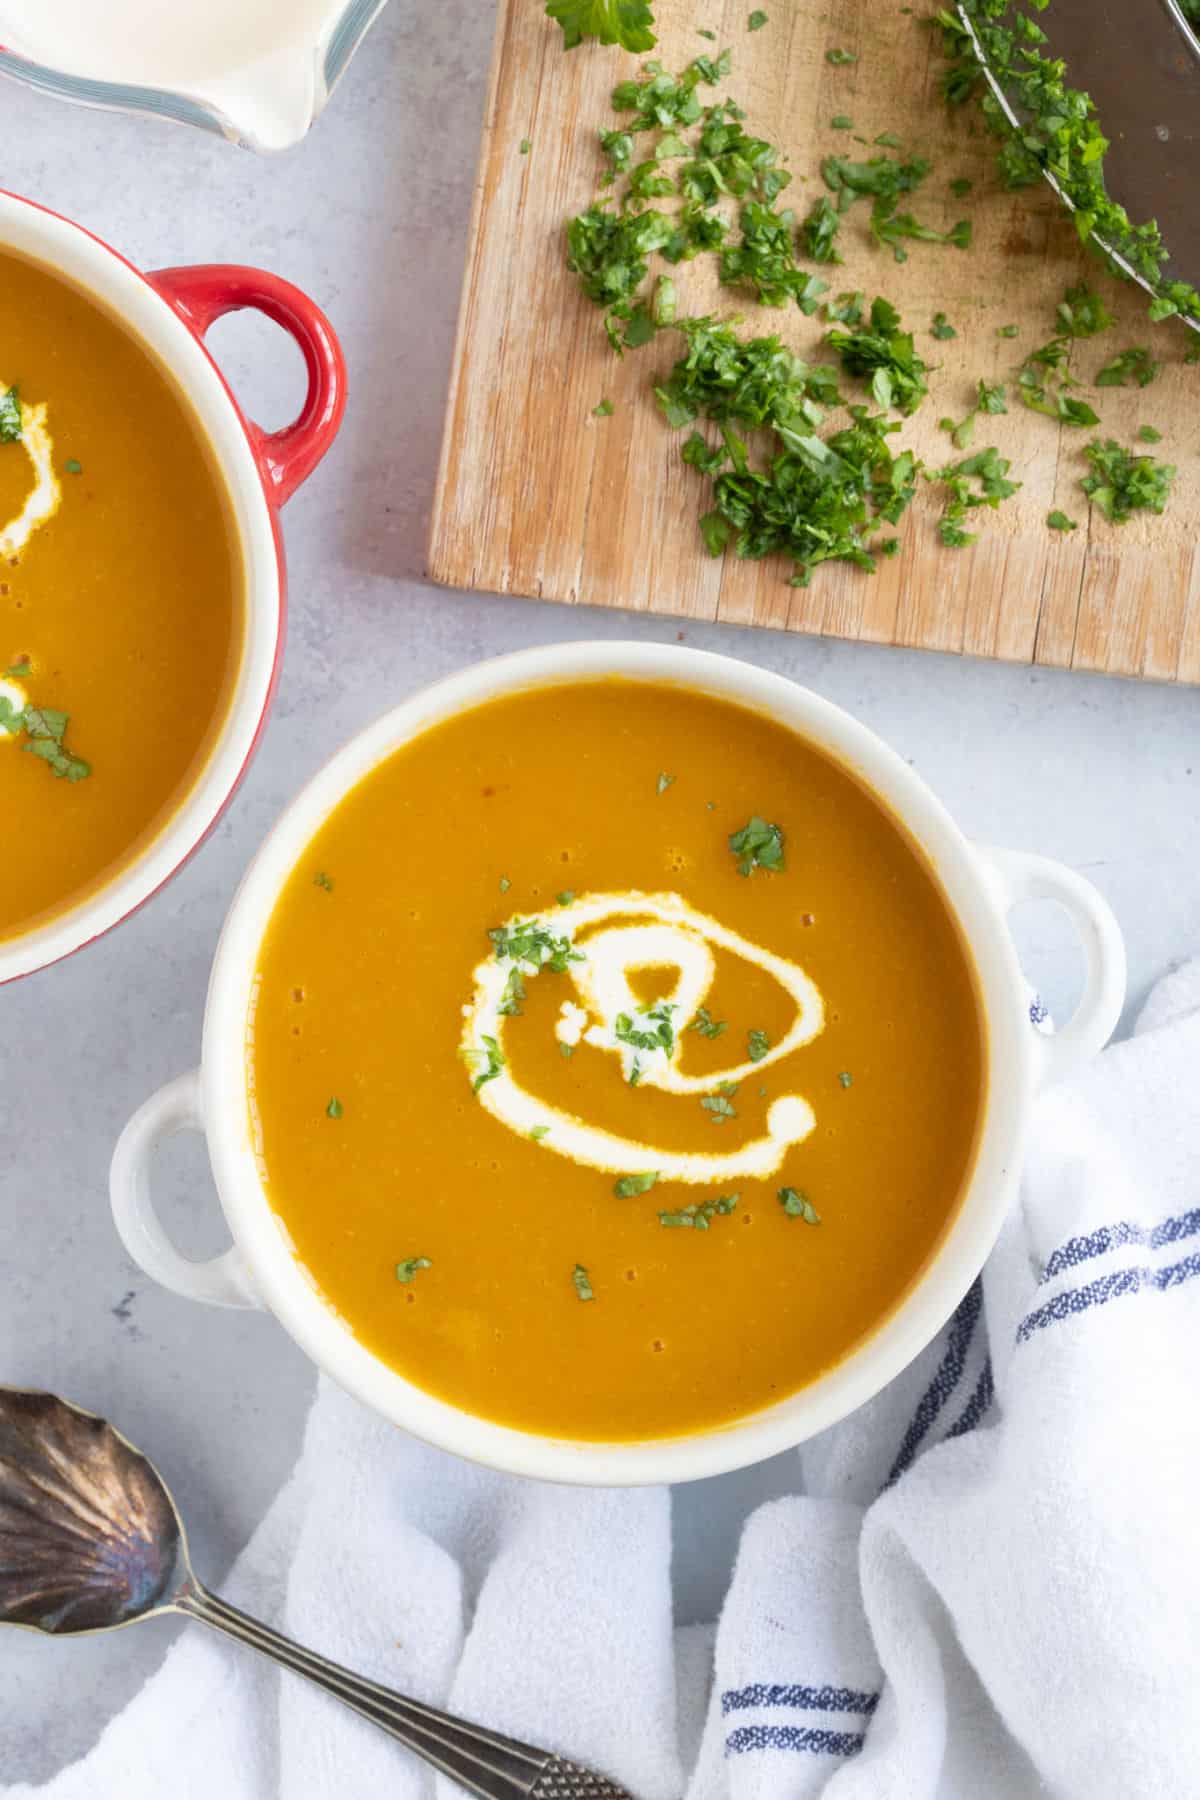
205, 293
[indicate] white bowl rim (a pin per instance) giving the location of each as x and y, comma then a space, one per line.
84, 261
286, 1288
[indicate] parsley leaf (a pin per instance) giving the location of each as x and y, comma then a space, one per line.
758, 845
629, 1185
335, 1109
797, 1205
706, 1025
1081, 314
1123, 482
1058, 521
406, 1271
46, 729
756, 20
624, 22
534, 945
10, 416
1128, 367
758, 1043
885, 349
765, 262
819, 232
514, 993
663, 783
603, 409
941, 327
719, 1106
324, 881
583, 1286
846, 1078
840, 59
661, 1032
490, 1055
697, 1216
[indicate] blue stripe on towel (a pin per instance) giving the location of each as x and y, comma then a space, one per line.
1106, 1288
978, 1404
1096, 1243
949, 1374
793, 1737
809, 1699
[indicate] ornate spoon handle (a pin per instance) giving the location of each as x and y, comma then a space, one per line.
484, 1762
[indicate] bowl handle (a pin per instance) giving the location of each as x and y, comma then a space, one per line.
222, 1281
1018, 877
205, 293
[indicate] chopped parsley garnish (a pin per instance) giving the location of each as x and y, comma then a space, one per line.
883, 354
1058, 521
988, 470
73, 466
663, 783
608, 252
490, 1056
987, 400
514, 993
406, 1270
21, 668
533, 945
323, 881
566, 1050
603, 410
757, 1043
1042, 383
756, 20
1081, 314
719, 1106
818, 234
889, 228
1122, 482
706, 1025
629, 1185
583, 1286
846, 1078
797, 1205
565, 897
840, 58
538, 1132
1131, 367
335, 1109
758, 845
657, 1032
765, 262
697, 1216
505, 884
624, 22
46, 729
10, 416
941, 327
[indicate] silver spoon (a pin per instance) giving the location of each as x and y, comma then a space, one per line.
90, 1541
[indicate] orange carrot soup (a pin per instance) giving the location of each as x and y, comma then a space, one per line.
120, 595
617, 1063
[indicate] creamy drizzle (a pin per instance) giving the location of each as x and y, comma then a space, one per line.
663, 931
42, 501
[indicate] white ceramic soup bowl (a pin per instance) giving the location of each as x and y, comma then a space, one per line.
980, 886
169, 312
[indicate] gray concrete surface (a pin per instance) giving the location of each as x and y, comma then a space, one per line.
370, 215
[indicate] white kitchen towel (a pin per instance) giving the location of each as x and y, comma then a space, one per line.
985, 1587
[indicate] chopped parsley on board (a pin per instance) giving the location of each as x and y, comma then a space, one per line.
1123, 482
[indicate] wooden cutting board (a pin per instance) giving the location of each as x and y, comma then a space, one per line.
537, 496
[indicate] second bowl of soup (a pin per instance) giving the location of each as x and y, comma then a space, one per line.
141, 569
615, 1065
